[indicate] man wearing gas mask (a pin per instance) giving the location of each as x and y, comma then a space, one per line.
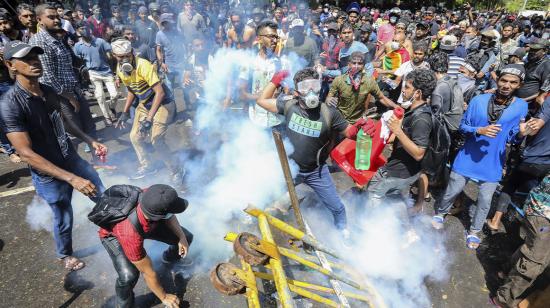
154, 112
310, 127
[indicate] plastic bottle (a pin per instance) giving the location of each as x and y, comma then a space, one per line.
369, 148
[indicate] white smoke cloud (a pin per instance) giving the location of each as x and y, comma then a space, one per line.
39, 215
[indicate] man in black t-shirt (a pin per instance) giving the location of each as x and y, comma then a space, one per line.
310, 127
31, 117
412, 137
537, 73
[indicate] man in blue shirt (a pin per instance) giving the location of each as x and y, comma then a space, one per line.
490, 122
96, 53
170, 51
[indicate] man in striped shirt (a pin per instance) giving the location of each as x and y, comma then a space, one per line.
448, 45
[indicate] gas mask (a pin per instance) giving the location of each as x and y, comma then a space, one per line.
126, 66
309, 92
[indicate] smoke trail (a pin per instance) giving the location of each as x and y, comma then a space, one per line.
39, 215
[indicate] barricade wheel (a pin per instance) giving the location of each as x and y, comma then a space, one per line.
225, 280
243, 247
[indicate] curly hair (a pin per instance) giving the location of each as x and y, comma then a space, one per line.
424, 80
439, 62
306, 73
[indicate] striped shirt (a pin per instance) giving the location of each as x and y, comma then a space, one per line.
454, 64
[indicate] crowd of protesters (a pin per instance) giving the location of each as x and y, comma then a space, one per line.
478, 78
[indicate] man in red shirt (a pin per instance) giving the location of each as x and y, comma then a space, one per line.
154, 219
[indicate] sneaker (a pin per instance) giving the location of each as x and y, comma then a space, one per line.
346, 237
437, 222
143, 172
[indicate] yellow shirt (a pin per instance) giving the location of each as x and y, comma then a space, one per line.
141, 82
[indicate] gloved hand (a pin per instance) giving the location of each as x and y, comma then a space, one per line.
354, 128
145, 127
279, 76
369, 127
121, 121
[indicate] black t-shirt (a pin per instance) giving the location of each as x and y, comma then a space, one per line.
417, 125
537, 78
309, 133
41, 118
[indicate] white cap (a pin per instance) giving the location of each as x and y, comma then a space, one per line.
121, 47
296, 23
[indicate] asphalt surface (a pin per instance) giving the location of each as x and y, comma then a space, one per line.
31, 276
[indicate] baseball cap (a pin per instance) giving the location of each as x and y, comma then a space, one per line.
18, 49
166, 17
296, 23
366, 28
538, 44
423, 25
333, 26
449, 42
514, 69
489, 33
159, 200
519, 52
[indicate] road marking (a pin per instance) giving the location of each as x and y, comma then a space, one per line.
16, 191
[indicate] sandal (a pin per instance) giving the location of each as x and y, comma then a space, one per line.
472, 241
72, 263
488, 223
428, 197
437, 222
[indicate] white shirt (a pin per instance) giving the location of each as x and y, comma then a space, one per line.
404, 70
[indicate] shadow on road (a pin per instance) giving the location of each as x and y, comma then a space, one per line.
76, 285
12, 178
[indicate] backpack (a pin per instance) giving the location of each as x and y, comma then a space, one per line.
437, 153
453, 116
116, 204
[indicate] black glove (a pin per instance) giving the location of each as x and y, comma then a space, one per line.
122, 119
145, 126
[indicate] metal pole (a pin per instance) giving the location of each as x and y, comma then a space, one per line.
288, 179
276, 266
524, 5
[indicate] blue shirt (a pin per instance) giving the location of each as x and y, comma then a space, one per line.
537, 150
173, 48
482, 158
94, 54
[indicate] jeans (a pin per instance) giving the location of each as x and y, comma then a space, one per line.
58, 195
382, 184
478, 212
320, 181
99, 80
128, 274
162, 118
83, 118
528, 262
174, 79
5, 144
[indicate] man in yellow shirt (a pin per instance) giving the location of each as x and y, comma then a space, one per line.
155, 110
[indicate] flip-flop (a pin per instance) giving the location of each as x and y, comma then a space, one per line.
472, 241
72, 263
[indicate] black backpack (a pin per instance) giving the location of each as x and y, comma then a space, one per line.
115, 205
437, 153
453, 116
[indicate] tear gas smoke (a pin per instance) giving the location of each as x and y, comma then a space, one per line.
39, 216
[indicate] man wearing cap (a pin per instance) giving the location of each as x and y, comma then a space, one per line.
153, 218
365, 32
448, 45
490, 122
170, 51
330, 57
537, 73
31, 117
58, 70
301, 44
421, 34
487, 55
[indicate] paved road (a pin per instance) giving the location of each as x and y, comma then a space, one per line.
30, 276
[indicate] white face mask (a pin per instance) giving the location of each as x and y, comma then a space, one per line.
394, 45
406, 104
168, 216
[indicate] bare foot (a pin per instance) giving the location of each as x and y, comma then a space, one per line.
14, 158
492, 226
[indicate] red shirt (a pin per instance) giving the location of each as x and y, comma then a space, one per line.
129, 239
